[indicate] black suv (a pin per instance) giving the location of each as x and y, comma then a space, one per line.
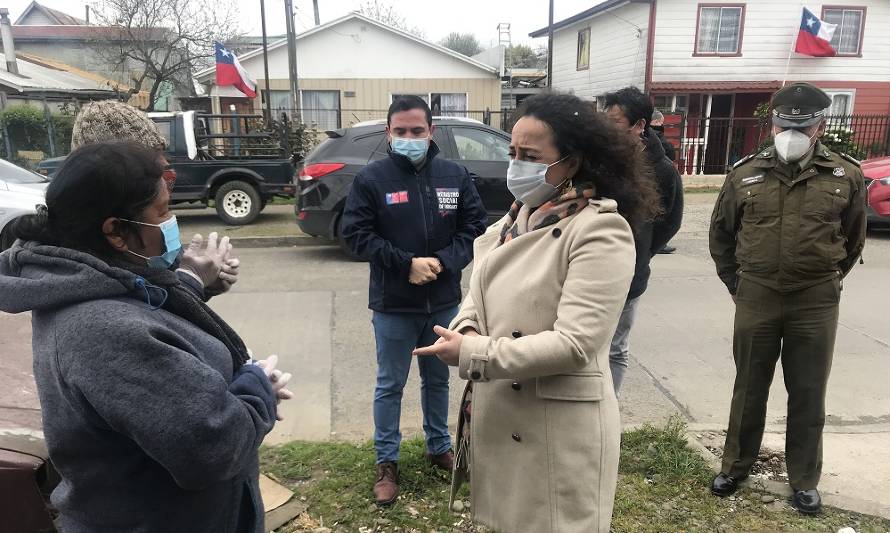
328, 171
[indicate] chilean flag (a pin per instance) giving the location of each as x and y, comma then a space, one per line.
230, 72
814, 36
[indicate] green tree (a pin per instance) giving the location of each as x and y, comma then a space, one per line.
524, 56
462, 43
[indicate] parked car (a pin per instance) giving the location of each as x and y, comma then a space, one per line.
239, 184
327, 173
877, 179
20, 192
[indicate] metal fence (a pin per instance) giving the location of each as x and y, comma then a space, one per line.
711, 145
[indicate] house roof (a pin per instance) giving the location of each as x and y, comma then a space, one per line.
53, 14
77, 33
37, 75
716, 86
206, 73
592, 12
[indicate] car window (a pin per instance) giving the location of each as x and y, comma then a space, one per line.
164, 128
479, 145
371, 144
15, 174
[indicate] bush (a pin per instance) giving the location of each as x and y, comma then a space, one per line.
28, 130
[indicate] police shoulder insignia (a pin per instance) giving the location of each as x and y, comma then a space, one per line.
743, 160
850, 159
839, 171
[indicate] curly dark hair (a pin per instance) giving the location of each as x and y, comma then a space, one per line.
610, 158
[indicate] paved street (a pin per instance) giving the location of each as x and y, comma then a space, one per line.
308, 305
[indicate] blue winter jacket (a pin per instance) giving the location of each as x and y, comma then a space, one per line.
395, 212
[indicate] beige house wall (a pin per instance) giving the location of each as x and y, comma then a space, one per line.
372, 96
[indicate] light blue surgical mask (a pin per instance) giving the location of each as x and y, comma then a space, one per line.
172, 245
413, 149
527, 181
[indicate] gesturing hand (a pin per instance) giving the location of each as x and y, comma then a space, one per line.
206, 262
278, 379
447, 348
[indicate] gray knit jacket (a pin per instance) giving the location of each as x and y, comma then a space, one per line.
143, 417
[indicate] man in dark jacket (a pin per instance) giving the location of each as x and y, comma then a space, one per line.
630, 109
413, 217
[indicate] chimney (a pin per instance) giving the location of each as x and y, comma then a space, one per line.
88, 15
8, 44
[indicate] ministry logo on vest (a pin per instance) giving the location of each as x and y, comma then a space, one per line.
448, 199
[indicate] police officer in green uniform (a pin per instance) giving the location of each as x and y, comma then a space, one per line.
788, 226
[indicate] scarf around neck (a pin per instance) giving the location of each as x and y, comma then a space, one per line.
523, 219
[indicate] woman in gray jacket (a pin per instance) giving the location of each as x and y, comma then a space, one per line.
152, 412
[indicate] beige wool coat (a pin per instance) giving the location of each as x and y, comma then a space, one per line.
544, 430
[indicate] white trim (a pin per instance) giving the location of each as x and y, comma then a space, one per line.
201, 75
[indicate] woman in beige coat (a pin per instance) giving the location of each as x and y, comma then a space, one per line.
532, 336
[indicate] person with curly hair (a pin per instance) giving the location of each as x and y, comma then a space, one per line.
539, 429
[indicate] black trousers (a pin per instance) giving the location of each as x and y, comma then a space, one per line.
799, 327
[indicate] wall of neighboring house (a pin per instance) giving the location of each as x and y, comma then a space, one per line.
77, 53
37, 18
617, 52
770, 28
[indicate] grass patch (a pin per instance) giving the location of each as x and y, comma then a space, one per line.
663, 487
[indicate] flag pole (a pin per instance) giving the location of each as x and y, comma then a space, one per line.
268, 95
791, 50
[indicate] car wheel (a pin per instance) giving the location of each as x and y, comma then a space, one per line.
238, 203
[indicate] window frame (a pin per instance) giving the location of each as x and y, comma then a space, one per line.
738, 52
851, 93
338, 111
578, 65
864, 10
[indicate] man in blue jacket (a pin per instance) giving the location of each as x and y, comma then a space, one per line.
413, 217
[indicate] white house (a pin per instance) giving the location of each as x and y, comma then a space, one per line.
349, 70
723, 59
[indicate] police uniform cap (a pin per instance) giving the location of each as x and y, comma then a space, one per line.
799, 105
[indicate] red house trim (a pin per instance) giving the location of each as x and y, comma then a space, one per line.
861, 25
650, 46
738, 53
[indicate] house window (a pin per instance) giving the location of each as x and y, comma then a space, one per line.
841, 103
847, 39
583, 59
448, 104
719, 29
280, 101
321, 109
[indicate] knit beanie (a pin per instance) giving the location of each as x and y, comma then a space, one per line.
113, 121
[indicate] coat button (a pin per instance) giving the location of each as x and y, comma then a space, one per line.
516, 437
557, 232
837, 191
516, 385
476, 375
516, 334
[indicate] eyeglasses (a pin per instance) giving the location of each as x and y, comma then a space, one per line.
169, 176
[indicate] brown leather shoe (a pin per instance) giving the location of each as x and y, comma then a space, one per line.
386, 489
443, 461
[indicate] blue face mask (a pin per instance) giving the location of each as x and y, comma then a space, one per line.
172, 244
413, 149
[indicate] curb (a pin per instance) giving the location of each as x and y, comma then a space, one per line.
782, 490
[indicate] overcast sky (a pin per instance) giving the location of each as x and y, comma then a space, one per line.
436, 18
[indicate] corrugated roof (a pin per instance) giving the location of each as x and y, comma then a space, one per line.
35, 77
715, 86
53, 14
28, 33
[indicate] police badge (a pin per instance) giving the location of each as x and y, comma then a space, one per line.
839, 171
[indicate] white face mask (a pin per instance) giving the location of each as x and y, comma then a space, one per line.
792, 145
527, 182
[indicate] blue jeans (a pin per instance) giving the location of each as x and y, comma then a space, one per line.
619, 350
397, 335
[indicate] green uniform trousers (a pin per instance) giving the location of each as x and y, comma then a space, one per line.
800, 327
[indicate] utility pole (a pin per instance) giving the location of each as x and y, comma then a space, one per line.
315, 7
550, 48
268, 95
292, 58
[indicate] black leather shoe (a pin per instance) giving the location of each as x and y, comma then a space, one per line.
807, 501
724, 485
667, 249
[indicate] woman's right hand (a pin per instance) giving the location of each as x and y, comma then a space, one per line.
278, 379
